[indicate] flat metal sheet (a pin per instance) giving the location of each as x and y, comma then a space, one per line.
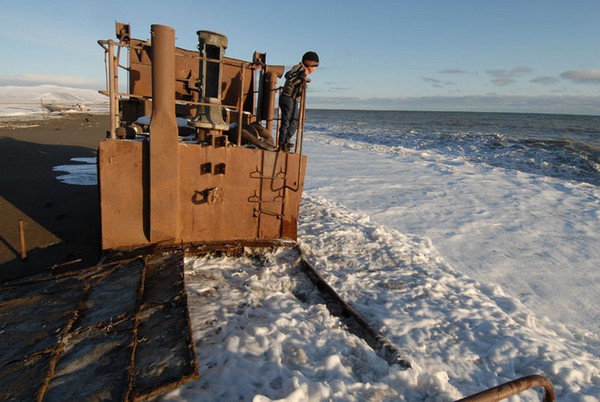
118, 331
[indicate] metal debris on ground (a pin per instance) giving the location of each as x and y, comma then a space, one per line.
116, 331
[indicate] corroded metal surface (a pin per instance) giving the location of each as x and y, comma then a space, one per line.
220, 187
163, 145
224, 193
118, 331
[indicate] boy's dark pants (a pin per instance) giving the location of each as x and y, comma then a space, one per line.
289, 120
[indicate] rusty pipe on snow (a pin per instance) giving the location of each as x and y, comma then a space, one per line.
514, 387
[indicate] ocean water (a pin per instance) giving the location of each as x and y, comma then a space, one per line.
561, 146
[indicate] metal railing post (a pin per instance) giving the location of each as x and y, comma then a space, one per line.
113, 101
241, 104
300, 134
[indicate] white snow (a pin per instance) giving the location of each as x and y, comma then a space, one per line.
536, 236
27, 100
479, 274
82, 172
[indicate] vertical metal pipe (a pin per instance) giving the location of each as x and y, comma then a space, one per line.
163, 76
111, 89
22, 237
116, 86
163, 154
278, 124
241, 104
271, 78
300, 134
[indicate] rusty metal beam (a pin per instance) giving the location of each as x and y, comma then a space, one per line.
355, 323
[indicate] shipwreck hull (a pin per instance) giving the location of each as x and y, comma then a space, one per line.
220, 194
217, 187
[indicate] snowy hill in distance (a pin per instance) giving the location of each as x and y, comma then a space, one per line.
28, 100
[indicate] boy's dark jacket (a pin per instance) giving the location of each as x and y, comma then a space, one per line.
293, 82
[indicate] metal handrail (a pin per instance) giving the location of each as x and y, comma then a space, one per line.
514, 387
113, 93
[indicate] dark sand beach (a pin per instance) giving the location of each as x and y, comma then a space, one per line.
61, 220
56, 324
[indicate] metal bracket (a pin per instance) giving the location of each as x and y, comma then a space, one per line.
209, 196
207, 168
257, 174
258, 212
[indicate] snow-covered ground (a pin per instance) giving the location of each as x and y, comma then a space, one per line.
479, 274
536, 236
27, 101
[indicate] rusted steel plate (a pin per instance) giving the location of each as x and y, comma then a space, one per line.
31, 314
112, 297
22, 379
214, 190
269, 206
224, 193
123, 175
294, 185
99, 333
165, 356
93, 366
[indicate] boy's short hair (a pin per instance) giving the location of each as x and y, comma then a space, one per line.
310, 56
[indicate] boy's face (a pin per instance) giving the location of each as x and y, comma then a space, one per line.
310, 66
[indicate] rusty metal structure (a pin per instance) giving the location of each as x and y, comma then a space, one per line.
216, 179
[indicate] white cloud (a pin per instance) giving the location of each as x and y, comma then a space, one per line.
583, 76
506, 77
454, 71
437, 83
544, 80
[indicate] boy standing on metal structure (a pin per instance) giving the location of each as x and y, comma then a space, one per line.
291, 93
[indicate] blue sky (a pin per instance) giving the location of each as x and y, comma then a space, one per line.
470, 55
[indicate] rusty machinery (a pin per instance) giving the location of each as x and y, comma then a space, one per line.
228, 183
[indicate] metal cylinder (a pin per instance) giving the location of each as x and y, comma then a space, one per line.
163, 77
271, 82
163, 161
112, 88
